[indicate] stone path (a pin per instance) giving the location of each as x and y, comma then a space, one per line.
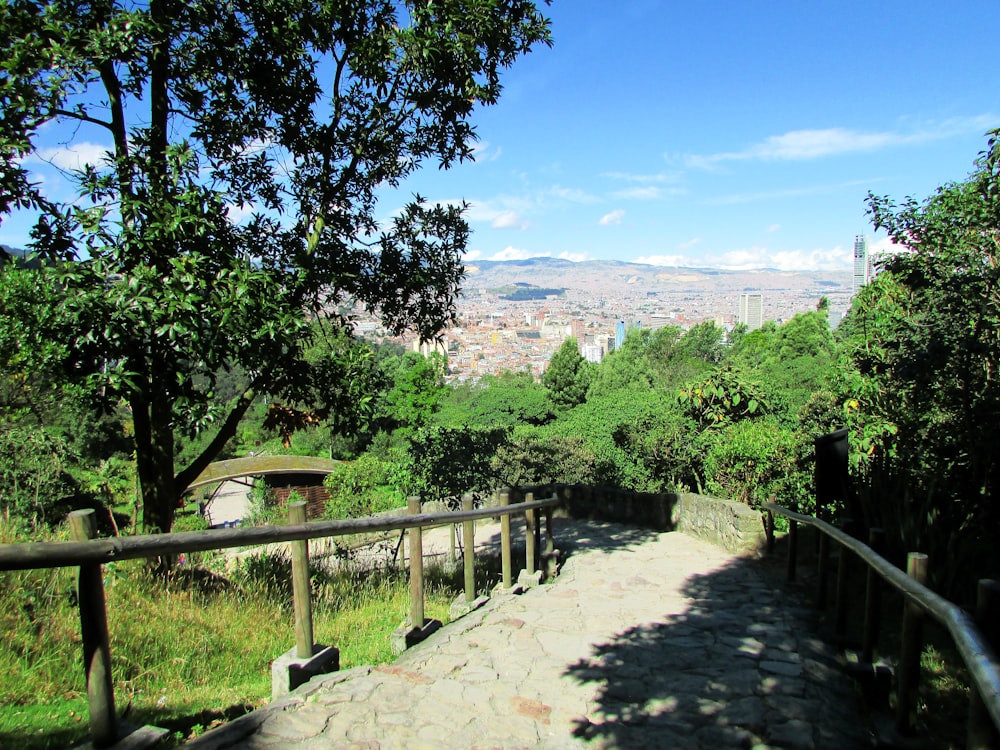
645, 640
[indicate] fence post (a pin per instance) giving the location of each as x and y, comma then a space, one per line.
530, 527
769, 529
793, 545
301, 595
873, 600
469, 541
505, 563
843, 571
416, 567
822, 569
911, 643
94, 634
982, 734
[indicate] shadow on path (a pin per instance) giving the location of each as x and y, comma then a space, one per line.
738, 668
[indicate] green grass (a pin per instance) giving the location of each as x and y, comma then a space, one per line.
187, 652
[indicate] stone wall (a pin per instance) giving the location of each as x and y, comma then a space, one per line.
733, 526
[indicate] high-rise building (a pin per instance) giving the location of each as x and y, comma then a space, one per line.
619, 334
752, 310
862, 267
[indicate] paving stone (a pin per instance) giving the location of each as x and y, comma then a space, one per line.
645, 640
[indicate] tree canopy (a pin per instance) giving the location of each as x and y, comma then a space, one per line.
245, 148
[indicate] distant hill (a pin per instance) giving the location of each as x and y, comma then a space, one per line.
616, 277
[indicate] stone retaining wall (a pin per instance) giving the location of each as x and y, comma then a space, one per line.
733, 526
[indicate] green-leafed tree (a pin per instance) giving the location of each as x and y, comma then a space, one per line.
505, 400
568, 376
923, 395
245, 147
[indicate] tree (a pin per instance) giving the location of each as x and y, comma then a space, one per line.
923, 395
568, 376
246, 145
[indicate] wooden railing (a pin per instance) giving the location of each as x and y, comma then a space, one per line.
89, 554
977, 652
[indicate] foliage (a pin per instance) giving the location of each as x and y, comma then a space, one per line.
194, 645
723, 398
246, 149
448, 462
506, 400
530, 459
751, 460
365, 486
923, 392
416, 388
567, 376
33, 479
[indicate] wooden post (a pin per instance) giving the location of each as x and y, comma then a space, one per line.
793, 547
416, 567
550, 538
529, 536
94, 634
911, 643
769, 531
469, 540
505, 564
823, 569
843, 572
873, 600
301, 594
982, 734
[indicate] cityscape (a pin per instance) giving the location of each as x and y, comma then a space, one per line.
501, 326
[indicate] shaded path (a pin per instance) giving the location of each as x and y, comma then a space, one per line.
645, 640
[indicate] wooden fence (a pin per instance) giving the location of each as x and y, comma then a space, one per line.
89, 554
977, 651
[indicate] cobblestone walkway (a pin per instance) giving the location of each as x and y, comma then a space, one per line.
646, 640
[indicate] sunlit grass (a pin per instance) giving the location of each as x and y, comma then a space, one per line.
188, 651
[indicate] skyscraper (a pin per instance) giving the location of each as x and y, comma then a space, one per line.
862, 269
752, 310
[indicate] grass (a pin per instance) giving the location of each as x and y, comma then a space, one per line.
189, 651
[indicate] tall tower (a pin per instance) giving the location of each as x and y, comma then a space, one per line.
752, 310
862, 270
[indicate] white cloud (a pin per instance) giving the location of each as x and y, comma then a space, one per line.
575, 257
773, 228
473, 255
819, 259
573, 195
801, 145
238, 214
663, 260
71, 157
694, 241
645, 179
649, 192
481, 152
514, 253
615, 217
508, 220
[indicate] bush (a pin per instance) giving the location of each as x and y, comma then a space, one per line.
748, 461
365, 486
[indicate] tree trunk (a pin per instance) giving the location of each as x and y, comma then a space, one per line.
154, 457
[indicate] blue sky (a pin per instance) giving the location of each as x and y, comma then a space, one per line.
729, 134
